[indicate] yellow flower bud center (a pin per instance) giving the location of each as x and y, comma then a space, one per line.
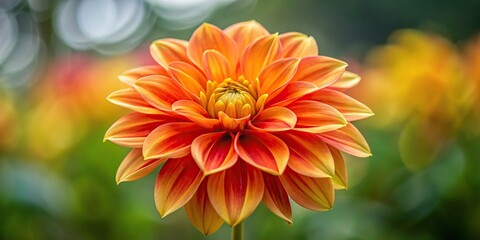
233, 97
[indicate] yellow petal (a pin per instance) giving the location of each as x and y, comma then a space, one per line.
348, 139
201, 213
346, 81
340, 180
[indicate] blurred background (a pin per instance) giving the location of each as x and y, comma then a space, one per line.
420, 63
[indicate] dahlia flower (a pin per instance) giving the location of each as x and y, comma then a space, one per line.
237, 117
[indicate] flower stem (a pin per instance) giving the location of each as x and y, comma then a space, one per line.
237, 232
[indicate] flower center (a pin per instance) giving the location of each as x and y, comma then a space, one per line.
236, 98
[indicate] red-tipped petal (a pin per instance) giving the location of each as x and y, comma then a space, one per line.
259, 54
189, 77
208, 37
171, 140
236, 192
195, 113
312, 193
214, 152
348, 80
298, 45
277, 75
262, 150
132, 129
160, 91
274, 119
309, 155
316, 117
291, 92
131, 99
349, 140
320, 70
176, 183
340, 180
349, 107
276, 198
131, 76
201, 213
217, 67
244, 33
169, 50
134, 167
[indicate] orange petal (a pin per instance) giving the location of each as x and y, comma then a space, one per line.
349, 140
189, 77
217, 67
277, 74
134, 167
262, 150
201, 213
340, 180
259, 54
176, 183
291, 92
132, 129
316, 117
276, 198
298, 45
160, 91
236, 192
350, 108
171, 140
245, 32
131, 76
309, 155
169, 50
274, 119
320, 70
312, 193
131, 99
208, 37
195, 113
232, 123
214, 152
347, 81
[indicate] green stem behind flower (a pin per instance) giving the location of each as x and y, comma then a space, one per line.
237, 232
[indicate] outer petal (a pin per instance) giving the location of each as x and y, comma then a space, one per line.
340, 180
276, 198
298, 45
214, 152
236, 192
262, 150
350, 108
291, 92
134, 167
132, 129
316, 117
160, 91
349, 140
259, 54
312, 193
245, 32
131, 76
188, 77
201, 213
277, 75
177, 182
208, 37
309, 155
217, 67
347, 81
171, 140
195, 113
274, 119
169, 50
320, 70
131, 99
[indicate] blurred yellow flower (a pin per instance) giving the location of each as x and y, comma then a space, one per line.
239, 116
